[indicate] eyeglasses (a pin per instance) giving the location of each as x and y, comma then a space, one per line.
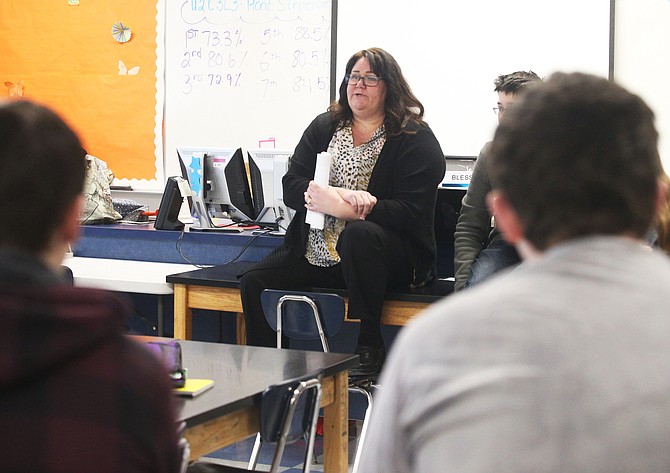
500, 110
369, 81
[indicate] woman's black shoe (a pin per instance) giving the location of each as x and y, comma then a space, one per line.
370, 361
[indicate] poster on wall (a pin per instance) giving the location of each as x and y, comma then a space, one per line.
94, 62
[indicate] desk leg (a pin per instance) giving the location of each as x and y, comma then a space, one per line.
183, 314
159, 321
336, 427
241, 329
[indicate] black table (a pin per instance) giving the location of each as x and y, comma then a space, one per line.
228, 412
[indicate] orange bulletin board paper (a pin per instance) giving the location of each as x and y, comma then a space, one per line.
64, 56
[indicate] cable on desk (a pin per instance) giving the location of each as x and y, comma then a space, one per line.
279, 225
178, 245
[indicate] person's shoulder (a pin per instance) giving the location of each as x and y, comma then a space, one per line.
480, 169
485, 151
419, 128
322, 126
420, 134
324, 120
425, 133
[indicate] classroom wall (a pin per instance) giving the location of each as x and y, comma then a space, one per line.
451, 52
73, 63
642, 59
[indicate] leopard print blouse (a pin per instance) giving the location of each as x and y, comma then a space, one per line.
350, 168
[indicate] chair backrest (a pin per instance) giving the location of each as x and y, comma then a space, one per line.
184, 448
303, 313
290, 411
68, 275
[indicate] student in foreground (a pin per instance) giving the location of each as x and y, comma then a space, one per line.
76, 395
561, 365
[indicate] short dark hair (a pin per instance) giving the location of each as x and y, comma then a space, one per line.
42, 169
578, 156
515, 81
401, 106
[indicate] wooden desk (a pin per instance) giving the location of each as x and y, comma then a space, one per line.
217, 288
228, 412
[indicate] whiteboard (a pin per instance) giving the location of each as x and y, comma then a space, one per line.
248, 74
450, 51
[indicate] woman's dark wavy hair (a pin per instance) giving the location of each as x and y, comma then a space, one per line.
401, 106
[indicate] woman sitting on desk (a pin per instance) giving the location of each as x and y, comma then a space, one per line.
379, 205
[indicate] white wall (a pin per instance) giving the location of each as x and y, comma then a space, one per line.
642, 59
450, 51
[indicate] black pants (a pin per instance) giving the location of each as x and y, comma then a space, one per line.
372, 260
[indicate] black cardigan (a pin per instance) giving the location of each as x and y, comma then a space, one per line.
405, 179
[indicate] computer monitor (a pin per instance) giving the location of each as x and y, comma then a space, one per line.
168, 210
267, 168
218, 179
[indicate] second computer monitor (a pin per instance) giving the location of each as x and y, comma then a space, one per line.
267, 168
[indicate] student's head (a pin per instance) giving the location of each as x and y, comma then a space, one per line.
576, 156
42, 168
508, 87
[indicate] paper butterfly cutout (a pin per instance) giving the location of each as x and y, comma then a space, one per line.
15, 89
124, 71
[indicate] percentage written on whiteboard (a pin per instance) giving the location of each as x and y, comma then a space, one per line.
213, 38
309, 58
311, 34
308, 84
229, 60
200, 80
232, 80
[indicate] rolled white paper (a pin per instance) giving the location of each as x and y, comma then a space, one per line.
321, 177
